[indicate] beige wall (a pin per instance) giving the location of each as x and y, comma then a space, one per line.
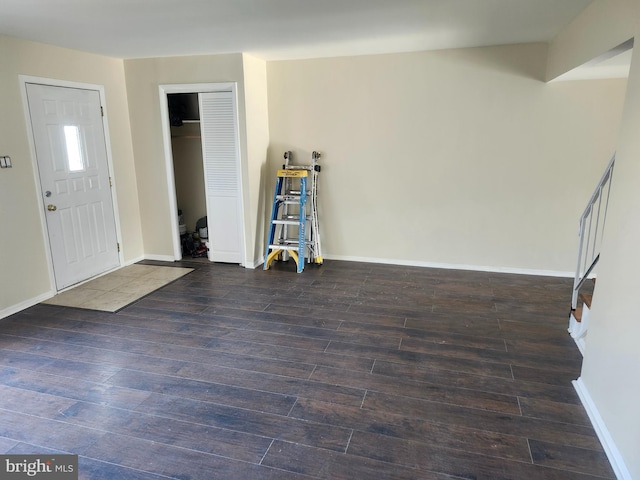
610, 371
24, 273
255, 85
144, 76
459, 157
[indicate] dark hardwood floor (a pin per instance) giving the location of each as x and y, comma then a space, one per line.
346, 371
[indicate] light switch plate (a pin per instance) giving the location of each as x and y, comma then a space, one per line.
3, 162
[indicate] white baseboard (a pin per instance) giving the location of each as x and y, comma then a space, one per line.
452, 266
26, 304
581, 344
255, 264
169, 258
410, 263
134, 260
159, 258
610, 448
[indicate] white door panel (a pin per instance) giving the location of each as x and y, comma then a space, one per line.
221, 157
222, 217
74, 176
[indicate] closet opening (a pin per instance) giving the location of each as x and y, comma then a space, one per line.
202, 158
188, 174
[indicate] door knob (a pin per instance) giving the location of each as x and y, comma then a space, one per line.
52, 208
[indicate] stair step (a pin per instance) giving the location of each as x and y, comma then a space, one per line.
577, 314
586, 299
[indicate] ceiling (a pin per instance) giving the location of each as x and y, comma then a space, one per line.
282, 29
612, 64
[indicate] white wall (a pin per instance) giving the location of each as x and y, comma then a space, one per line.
610, 369
24, 272
458, 157
610, 380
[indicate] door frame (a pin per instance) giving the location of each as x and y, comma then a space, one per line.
24, 80
164, 90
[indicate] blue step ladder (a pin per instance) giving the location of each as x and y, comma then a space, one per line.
293, 228
281, 219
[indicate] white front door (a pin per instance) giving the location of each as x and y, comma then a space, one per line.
221, 157
74, 177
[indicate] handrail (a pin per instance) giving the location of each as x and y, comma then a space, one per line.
589, 253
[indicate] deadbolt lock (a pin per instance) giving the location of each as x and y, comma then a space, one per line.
52, 208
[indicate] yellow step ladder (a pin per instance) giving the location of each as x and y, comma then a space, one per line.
294, 227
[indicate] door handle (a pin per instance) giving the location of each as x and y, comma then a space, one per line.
52, 208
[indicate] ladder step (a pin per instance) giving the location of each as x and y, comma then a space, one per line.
283, 242
291, 173
288, 198
288, 246
300, 167
285, 222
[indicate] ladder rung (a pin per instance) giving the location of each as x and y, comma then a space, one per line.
284, 246
296, 193
290, 243
299, 167
285, 222
292, 240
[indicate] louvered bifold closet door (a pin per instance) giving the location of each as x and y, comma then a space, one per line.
221, 157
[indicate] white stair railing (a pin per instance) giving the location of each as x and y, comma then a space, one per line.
591, 231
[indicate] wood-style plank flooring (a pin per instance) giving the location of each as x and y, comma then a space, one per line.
346, 371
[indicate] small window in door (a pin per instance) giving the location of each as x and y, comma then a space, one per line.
75, 160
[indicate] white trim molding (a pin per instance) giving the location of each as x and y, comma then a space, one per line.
452, 266
163, 91
255, 264
610, 448
13, 309
160, 258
